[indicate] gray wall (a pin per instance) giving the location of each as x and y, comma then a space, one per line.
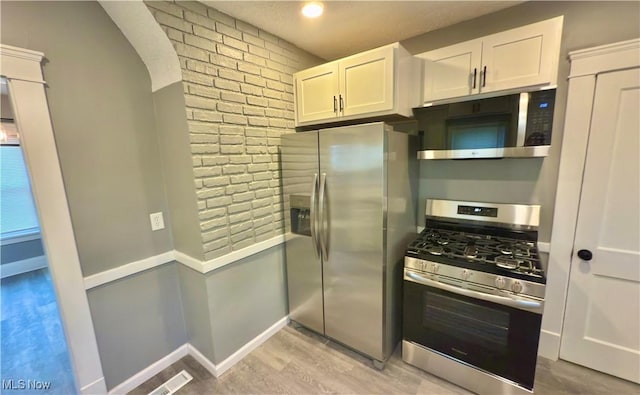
197, 319
173, 136
227, 308
245, 299
5, 107
138, 320
586, 24
19, 251
102, 110
99, 94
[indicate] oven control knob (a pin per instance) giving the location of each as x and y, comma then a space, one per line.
516, 286
500, 283
435, 267
466, 274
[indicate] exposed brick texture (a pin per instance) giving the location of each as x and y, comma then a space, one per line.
238, 89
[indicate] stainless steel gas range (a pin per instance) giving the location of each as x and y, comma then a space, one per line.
473, 295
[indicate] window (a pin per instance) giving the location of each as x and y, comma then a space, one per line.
17, 211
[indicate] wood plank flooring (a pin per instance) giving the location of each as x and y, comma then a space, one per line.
297, 361
32, 342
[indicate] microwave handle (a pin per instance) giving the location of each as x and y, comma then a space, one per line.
511, 301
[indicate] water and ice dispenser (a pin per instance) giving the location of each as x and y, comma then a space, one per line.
300, 214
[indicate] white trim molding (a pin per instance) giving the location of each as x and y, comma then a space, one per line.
586, 64
216, 263
21, 64
129, 269
97, 387
22, 69
20, 237
202, 267
23, 266
188, 349
145, 35
605, 58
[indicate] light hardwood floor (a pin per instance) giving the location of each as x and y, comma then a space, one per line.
297, 361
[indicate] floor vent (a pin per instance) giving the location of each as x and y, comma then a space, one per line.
173, 384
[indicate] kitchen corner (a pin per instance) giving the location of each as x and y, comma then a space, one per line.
387, 197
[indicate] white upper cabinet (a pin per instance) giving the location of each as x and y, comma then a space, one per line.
452, 71
373, 83
366, 82
317, 93
523, 57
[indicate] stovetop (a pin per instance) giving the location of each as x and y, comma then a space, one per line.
499, 252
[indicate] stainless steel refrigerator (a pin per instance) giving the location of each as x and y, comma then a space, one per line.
350, 211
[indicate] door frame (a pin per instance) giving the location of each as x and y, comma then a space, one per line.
23, 71
586, 65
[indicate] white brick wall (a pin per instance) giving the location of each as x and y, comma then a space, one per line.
238, 88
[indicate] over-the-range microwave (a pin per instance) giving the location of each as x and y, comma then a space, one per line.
510, 126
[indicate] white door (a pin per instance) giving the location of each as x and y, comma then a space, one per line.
366, 82
602, 319
452, 71
317, 93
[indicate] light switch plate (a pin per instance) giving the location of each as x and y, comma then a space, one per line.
157, 221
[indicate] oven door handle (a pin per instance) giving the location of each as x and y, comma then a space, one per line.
533, 306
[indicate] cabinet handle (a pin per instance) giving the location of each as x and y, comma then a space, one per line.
341, 104
475, 74
484, 77
335, 104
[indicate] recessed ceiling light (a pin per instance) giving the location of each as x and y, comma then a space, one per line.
312, 10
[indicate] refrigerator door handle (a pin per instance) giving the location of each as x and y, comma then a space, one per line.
312, 210
324, 220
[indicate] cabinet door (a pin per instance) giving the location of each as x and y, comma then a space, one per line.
317, 93
366, 82
452, 71
522, 57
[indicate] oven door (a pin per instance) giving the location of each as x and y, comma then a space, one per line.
498, 339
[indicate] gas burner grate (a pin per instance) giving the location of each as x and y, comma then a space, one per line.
508, 255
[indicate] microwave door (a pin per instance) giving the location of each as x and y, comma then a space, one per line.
510, 126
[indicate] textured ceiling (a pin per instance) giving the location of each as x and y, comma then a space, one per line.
348, 27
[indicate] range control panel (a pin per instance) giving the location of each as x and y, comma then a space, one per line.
479, 211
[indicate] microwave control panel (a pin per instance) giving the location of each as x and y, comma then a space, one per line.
540, 117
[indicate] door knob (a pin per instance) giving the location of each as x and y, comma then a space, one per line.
585, 255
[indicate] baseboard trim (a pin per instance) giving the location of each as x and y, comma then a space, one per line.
23, 266
202, 360
549, 346
252, 345
188, 349
150, 371
97, 387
